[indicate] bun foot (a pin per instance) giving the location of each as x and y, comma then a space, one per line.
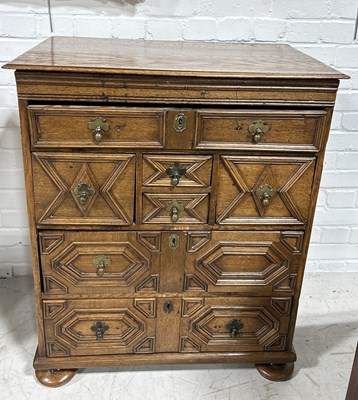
55, 377
276, 372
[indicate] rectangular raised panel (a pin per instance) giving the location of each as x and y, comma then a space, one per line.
90, 263
234, 324
67, 126
287, 130
241, 178
245, 262
70, 326
106, 182
195, 208
195, 170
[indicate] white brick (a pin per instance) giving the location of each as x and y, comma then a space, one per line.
10, 138
336, 120
354, 235
329, 266
343, 8
304, 9
10, 159
8, 96
315, 235
233, 29
335, 235
226, 8
12, 237
336, 252
347, 101
337, 32
344, 199
12, 48
9, 118
12, 179
352, 266
329, 161
324, 54
302, 31
346, 217
33, 6
21, 26
7, 77
339, 179
62, 26
128, 28
15, 254
23, 268
347, 56
164, 29
347, 83
342, 141
199, 29
350, 121
93, 27
269, 30
182, 8
14, 219
322, 198
347, 161
12, 199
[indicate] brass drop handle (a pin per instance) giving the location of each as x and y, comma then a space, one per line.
258, 129
84, 192
99, 328
234, 326
98, 126
265, 193
175, 171
101, 262
174, 208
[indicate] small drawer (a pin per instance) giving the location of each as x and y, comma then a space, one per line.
176, 209
99, 262
177, 171
259, 130
96, 127
98, 327
234, 324
264, 190
87, 189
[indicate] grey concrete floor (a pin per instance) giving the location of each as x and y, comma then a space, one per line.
325, 341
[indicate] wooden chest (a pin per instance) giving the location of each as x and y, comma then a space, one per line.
171, 192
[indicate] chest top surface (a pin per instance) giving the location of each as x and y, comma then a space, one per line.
194, 59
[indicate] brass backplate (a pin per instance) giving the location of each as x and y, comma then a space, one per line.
173, 241
180, 122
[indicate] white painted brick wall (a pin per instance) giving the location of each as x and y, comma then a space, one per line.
321, 28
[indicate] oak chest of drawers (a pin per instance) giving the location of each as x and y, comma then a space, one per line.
171, 192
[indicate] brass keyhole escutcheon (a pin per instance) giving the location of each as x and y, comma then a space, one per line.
99, 328
175, 171
98, 126
258, 129
101, 262
84, 192
168, 306
173, 241
265, 193
234, 326
180, 122
174, 208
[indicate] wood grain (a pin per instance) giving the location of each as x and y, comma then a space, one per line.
172, 58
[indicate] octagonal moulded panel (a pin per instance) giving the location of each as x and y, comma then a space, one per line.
73, 266
258, 324
75, 329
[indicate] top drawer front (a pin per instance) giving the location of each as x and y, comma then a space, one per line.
77, 126
259, 130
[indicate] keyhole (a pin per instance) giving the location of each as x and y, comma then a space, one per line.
168, 307
173, 241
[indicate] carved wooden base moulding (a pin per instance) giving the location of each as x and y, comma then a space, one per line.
171, 191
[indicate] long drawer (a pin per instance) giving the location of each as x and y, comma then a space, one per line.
187, 325
192, 262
